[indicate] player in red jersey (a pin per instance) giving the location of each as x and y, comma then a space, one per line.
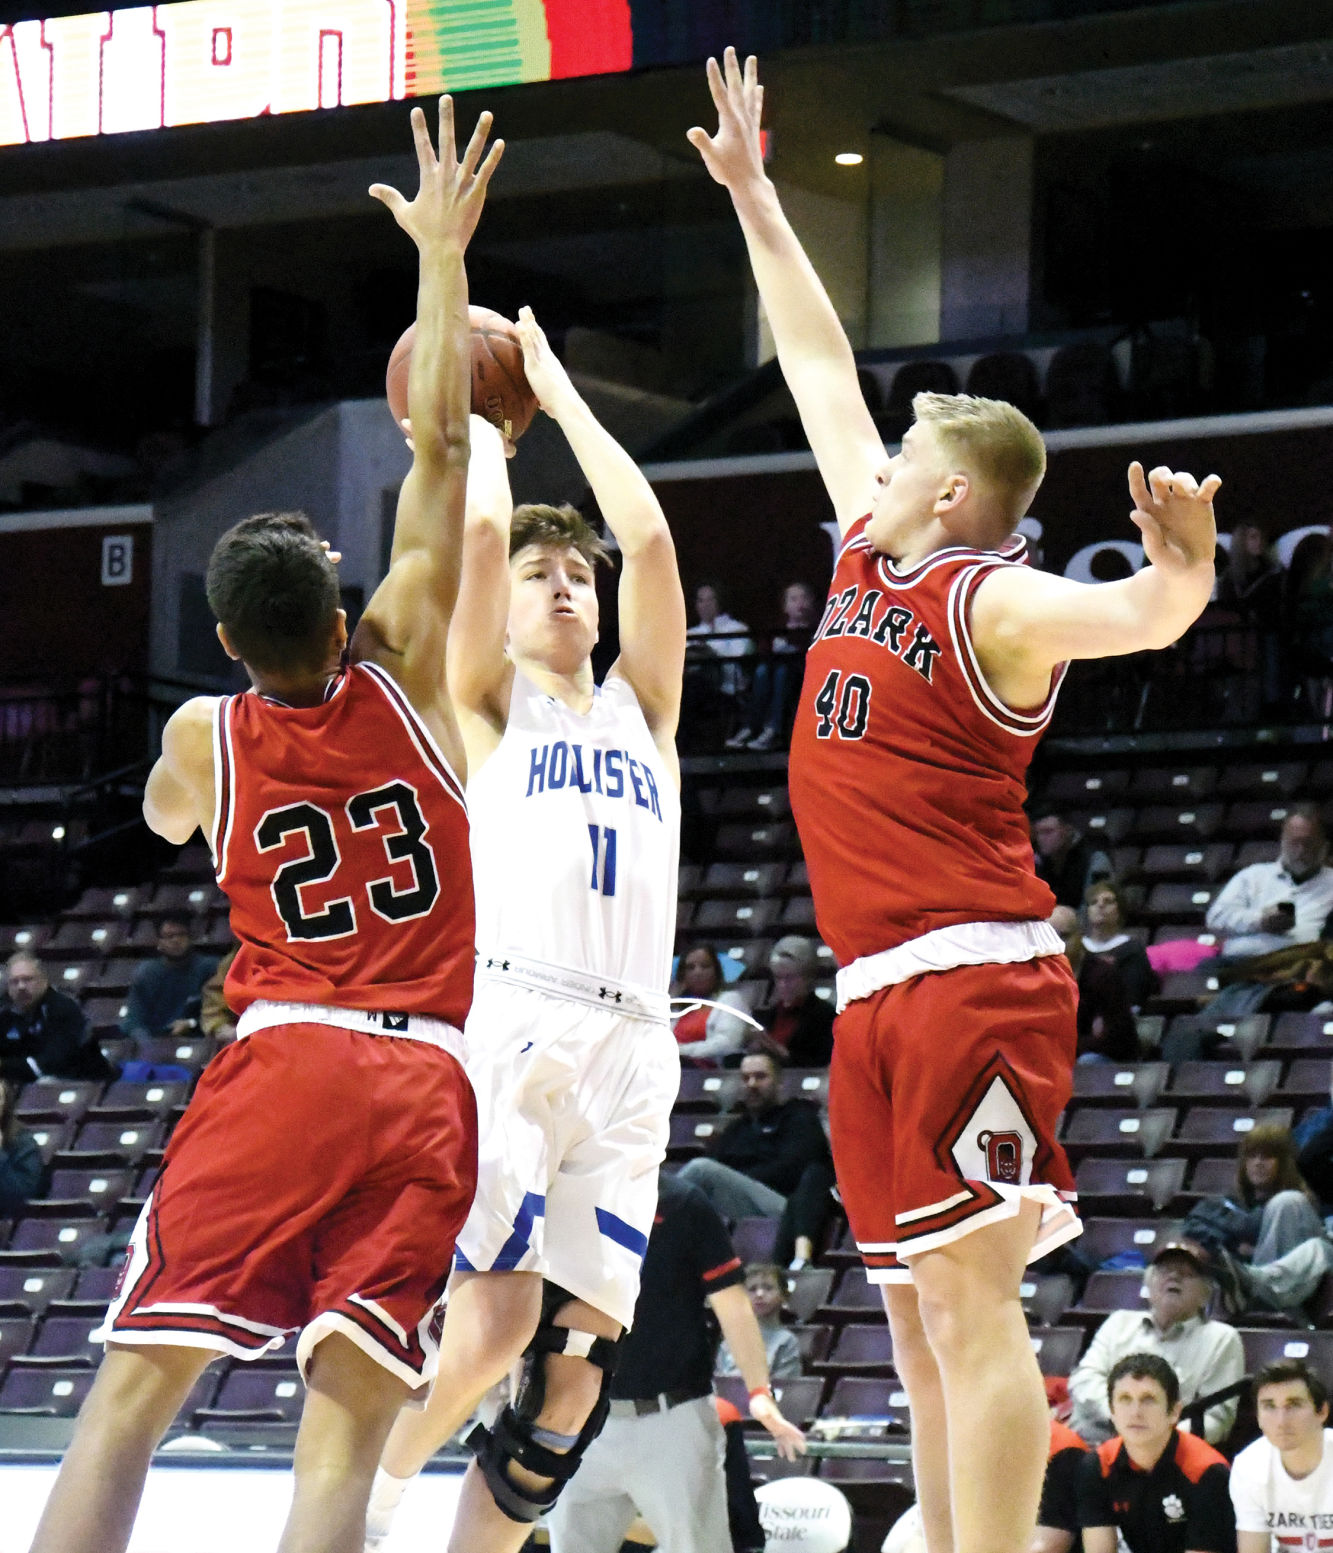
328, 1158
932, 674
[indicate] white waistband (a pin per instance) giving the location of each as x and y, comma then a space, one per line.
562, 981
945, 949
264, 1015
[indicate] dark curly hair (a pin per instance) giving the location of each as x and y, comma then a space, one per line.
275, 591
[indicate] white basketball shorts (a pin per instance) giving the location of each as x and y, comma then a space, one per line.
573, 1108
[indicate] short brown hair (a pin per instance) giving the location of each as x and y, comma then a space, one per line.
997, 442
1291, 1372
565, 526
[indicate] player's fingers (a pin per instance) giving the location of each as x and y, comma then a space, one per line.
489, 165
735, 81
1161, 482
421, 136
758, 104
388, 196
1186, 484
1210, 487
481, 131
1138, 485
445, 135
716, 85
701, 140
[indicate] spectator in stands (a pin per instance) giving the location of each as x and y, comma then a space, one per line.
766, 1284
165, 994
1106, 1028
1308, 606
798, 1024
707, 1035
1105, 938
215, 1018
1252, 586
1204, 1355
773, 1161
1152, 1489
23, 1172
778, 679
1066, 860
44, 1033
1057, 1518
720, 635
1271, 1211
1270, 906
1283, 1483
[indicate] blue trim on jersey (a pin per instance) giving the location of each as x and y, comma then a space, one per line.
515, 1248
623, 1234
461, 1263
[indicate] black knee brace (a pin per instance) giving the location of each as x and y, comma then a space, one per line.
515, 1435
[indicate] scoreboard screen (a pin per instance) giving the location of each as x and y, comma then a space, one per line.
206, 61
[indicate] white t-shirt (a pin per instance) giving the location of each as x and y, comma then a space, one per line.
1296, 1512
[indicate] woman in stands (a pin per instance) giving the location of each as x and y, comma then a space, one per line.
706, 1034
1282, 1209
1105, 937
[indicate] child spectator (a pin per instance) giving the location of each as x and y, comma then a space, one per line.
766, 1284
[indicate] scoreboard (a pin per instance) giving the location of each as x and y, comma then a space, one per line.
206, 61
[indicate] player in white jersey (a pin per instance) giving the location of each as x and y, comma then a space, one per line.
573, 794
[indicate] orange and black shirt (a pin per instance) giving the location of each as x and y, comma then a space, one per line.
1059, 1491
1183, 1503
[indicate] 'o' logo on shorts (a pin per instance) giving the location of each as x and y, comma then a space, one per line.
1004, 1156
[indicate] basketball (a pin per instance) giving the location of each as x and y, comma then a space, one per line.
500, 391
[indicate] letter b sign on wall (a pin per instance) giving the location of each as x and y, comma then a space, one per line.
117, 560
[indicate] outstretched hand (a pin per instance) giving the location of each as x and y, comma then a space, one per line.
734, 155
790, 1440
451, 193
1174, 513
545, 374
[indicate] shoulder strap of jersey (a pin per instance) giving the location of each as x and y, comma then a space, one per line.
1026, 724
417, 731
224, 783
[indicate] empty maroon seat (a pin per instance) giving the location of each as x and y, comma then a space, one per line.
1046, 1297
15, 1335
56, 1100
1107, 1130
1079, 789
765, 803
798, 915
1180, 902
1307, 1082
702, 1090
880, 1404
34, 1287
77, 938
691, 1135
1255, 818
806, 1084
104, 1014
742, 881
1244, 1084
865, 1346
809, 1291
1105, 827
64, 1340
1171, 784
1104, 1238
59, 1238
97, 1283
49, 1393
191, 898
109, 901
1131, 1186
1120, 1084
1268, 1347
128, 1141
189, 1051
32, 937
258, 1395
1214, 1177
1185, 862
102, 1188
854, 1296
774, 840
155, 1099
1256, 852
52, 1137
1177, 822
1058, 1348
1113, 1291
1208, 1129
753, 1238
1299, 1031
751, 917
1264, 782
814, 1342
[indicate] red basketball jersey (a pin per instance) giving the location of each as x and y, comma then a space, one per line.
907, 773
341, 839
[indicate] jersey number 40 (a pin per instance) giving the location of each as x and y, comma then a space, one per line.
848, 712
337, 918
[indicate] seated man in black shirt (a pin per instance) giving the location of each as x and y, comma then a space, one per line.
1152, 1489
773, 1161
1064, 858
1057, 1519
43, 1033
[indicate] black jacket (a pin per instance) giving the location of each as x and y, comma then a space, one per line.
53, 1034
775, 1146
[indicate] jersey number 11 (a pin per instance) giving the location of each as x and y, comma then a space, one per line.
603, 839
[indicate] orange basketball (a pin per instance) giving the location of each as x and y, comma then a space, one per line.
500, 391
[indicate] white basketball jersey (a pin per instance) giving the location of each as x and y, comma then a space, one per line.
576, 838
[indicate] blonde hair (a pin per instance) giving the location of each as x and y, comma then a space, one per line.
536, 524
997, 442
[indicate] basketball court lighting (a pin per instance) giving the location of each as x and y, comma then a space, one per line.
849, 159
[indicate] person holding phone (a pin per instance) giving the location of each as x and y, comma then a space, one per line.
1274, 905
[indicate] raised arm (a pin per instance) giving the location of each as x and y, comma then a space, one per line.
406, 623
479, 673
652, 602
178, 796
813, 349
1025, 622
735, 1315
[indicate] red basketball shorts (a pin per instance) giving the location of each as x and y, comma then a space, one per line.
945, 1094
315, 1184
